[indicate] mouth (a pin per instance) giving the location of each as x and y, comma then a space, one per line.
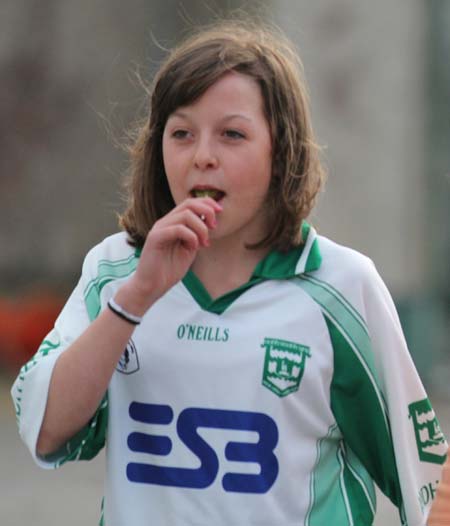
214, 193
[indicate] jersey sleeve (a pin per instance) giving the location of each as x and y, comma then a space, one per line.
380, 403
30, 389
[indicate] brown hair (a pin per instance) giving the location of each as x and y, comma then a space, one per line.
190, 69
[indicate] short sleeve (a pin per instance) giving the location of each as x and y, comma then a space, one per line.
30, 389
381, 405
419, 444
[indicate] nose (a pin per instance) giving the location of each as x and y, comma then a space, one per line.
204, 156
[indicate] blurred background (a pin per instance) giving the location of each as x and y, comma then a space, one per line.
379, 80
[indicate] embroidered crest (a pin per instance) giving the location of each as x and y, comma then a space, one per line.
129, 361
284, 365
430, 440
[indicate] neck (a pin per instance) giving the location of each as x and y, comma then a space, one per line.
222, 267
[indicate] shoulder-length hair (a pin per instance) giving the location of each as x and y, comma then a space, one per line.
190, 69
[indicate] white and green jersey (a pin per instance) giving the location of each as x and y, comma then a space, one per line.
279, 403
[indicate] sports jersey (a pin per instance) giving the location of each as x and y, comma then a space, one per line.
280, 403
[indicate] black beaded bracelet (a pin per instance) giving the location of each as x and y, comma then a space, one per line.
122, 313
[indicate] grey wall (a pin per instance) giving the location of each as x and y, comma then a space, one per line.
68, 92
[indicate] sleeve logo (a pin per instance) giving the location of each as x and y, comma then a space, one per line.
129, 361
430, 440
284, 365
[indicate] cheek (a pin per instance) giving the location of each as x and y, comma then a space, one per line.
261, 172
171, 163
175, 159
166, 155
170, 171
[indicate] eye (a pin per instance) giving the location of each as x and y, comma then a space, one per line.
179, 134
234, 134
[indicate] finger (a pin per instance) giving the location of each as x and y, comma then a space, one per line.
208, 201
206, 209
192, 219
180, 233
208, 217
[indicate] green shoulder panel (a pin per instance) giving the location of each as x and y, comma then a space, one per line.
358, 403
107, 271
361, 417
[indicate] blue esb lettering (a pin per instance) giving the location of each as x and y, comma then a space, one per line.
188, 423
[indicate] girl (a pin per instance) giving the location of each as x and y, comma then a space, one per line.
255, 373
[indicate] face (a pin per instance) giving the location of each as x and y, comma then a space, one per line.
221, 146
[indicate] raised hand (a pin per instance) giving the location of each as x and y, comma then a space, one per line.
169, 251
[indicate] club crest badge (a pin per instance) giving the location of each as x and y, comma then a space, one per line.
129, 361
430, 440
284, 365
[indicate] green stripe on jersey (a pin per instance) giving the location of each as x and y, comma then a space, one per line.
311, 257
362, 420
87, 442
359, 493
327, 503
357, 400
338, 494
107, 271
351, 324
339, 297
360, 474
45, 348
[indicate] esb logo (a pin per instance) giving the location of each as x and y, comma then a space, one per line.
189, 421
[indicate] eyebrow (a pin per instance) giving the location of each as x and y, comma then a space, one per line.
184, 115
237, 116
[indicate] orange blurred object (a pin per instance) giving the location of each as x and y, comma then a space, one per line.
440, 510
24, 323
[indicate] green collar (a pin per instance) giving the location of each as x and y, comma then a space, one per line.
305, 258
275, 265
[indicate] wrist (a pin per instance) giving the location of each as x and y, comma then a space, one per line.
123, 313
134, 299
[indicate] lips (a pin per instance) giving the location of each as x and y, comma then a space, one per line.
214, 193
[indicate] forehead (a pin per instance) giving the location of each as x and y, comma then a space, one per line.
233, 91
